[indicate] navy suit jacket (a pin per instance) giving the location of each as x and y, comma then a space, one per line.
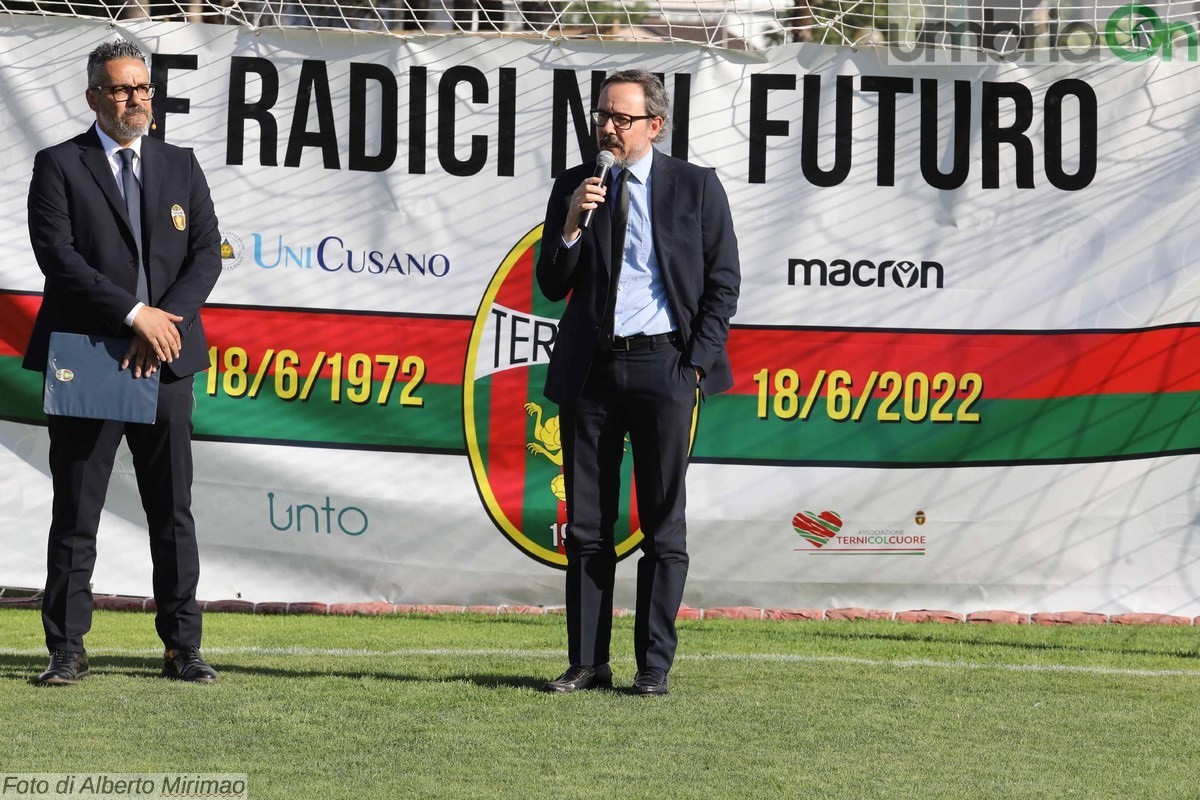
85, 247
697, 253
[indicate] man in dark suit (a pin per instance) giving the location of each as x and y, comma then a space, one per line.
123, 228
652, 285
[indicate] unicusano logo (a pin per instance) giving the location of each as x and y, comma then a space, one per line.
513, 433
884, 274
1132, 32
823, 531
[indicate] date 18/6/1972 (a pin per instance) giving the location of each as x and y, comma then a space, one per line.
912, 397
350, 377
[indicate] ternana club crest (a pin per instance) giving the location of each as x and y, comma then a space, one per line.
513, 436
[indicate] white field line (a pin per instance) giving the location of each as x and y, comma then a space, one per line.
782, 658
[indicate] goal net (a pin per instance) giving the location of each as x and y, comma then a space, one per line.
1005, 27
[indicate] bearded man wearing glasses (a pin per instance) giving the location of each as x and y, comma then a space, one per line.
653, 281
123, 227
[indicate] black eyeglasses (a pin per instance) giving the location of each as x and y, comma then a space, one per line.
121, 92
621, 122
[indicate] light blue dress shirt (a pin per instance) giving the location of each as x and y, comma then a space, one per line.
641, 305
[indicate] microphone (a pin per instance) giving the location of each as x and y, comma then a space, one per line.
604, 162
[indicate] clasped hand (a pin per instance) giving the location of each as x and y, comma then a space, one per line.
156, 339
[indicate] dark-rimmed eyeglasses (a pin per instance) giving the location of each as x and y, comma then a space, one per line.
122, 92
621, 122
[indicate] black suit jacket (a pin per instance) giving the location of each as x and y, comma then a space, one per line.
697, 253
85, 247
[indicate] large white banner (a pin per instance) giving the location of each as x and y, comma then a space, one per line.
965, 349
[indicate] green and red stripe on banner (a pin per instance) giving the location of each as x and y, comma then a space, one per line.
921, 398
801, 396
20, 390
343, 379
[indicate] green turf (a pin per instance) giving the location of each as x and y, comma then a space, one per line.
448, 707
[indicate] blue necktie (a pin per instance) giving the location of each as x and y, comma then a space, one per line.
133, 207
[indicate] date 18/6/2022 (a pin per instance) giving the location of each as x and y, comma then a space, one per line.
943, 397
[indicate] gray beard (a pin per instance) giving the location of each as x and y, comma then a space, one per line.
621, 160
125, 130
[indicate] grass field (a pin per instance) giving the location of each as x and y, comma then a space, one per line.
399, 707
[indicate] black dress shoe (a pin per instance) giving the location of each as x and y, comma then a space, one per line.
650, 682
578, 678
186, 664
65, 669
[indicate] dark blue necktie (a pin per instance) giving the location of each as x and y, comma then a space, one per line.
133, 207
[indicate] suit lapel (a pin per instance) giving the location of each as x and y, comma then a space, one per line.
662, 208
152, 180
92, 155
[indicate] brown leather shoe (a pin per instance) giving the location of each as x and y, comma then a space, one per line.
186, 664
650, 682
66, 668
577, 679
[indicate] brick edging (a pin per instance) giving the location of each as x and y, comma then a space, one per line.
120, 603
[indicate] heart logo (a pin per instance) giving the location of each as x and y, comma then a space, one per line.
817, 528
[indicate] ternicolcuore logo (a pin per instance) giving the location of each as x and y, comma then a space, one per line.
817, 528
823, 528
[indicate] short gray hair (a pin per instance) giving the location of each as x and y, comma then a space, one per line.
658, 104
110, 51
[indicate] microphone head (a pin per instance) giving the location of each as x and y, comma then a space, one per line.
605, 159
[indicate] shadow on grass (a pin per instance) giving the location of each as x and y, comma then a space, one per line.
482, 680
25, 669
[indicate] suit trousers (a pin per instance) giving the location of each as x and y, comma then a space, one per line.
82, 452
649, 394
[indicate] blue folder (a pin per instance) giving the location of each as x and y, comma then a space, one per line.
84, 379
